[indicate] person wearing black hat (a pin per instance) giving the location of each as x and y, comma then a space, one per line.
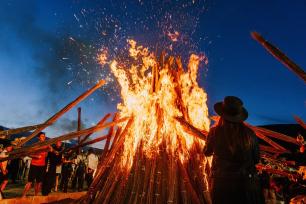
235, 152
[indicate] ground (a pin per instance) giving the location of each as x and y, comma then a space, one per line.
15, 190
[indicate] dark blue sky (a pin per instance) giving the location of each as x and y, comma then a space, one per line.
48, 51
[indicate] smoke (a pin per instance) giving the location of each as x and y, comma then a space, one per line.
69, 125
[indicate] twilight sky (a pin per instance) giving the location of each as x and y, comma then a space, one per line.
48, 53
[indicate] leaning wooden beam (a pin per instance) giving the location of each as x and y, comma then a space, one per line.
54, 118
28, 150
276, 135
278, 54
108, 140
300, 121
9, 132
102, 121
270, 149
263, 133
98, 139
191, 129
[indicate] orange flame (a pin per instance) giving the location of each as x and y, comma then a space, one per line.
154, 94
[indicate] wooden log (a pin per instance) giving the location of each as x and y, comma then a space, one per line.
150, 193
300, 121
276, 135
9, 132
191, 129
27, 150
280, 56
56, 116
109, 159
101, 122
98, 139
270, 142
110, 134
118, 132
270, 149
80, 144
262, 134
194, 197
79, 122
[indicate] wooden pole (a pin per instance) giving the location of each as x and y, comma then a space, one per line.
27, 150
300, 121
79, 122
7, 133
280, 56
101, 122
191, 129
56, 116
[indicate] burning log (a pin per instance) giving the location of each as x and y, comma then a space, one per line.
192, 130
39, 145
153, 152
56, 116
280, 56
7, 133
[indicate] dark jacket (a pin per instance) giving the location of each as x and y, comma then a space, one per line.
233, 175
226, 164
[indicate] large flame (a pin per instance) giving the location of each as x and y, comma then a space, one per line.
154, 93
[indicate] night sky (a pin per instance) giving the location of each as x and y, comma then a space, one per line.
48, 54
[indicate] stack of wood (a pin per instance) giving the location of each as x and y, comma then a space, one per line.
161, 178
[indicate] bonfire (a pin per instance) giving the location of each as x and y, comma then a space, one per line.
153, 159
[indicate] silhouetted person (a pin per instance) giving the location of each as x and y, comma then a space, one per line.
13, 169
235, 150
54, 158
79, 176
66, 174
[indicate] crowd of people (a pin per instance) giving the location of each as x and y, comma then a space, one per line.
234, 173
50, 169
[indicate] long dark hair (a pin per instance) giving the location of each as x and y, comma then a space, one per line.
236, 135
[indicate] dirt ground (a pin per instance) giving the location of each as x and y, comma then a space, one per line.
15, 190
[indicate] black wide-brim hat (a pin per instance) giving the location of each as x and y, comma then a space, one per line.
231, 109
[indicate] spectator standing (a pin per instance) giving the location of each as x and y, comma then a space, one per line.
78, 179
93, 161
26, 167
58, 174
37, 168
54, 159
66, 173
